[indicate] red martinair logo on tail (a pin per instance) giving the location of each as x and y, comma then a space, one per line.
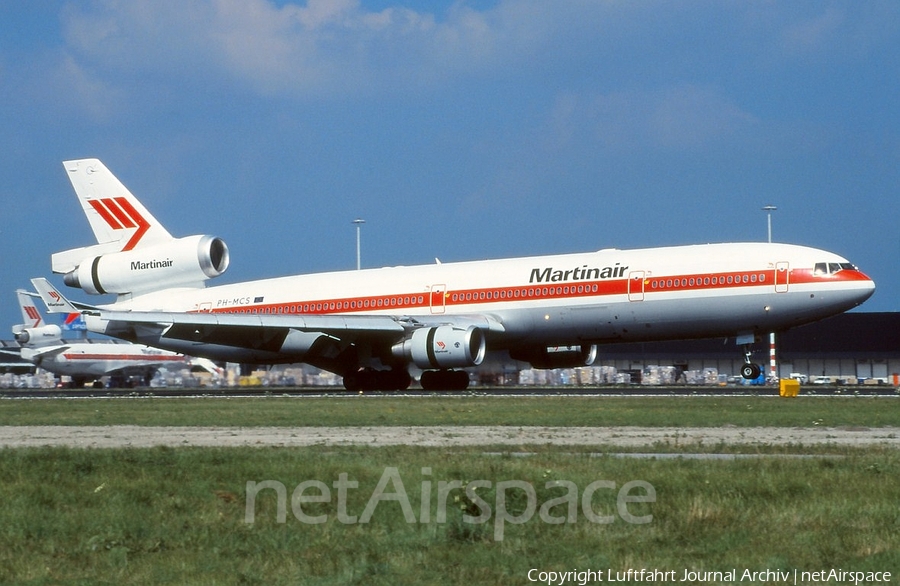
121, 215
32, 313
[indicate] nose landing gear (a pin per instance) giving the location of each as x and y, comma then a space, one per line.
750, 370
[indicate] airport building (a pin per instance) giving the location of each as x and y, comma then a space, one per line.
852, 347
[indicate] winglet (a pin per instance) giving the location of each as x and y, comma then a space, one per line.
53, 299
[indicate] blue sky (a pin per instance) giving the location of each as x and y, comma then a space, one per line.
458, 130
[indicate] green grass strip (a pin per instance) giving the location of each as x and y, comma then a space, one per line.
462, 410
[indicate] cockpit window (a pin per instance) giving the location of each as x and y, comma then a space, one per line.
830, 268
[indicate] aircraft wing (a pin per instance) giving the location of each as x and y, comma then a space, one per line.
320, 340
36, 355
269, 330
315, 339
256, 331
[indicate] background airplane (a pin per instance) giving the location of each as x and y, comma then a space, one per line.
370, 326
85, 361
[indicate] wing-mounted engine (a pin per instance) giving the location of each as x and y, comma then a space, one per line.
181, 262
49, 334
558, 356
443, 347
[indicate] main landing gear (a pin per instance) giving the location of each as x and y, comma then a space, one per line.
445, 380
370, 379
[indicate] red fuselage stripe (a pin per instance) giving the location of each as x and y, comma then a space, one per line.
558, 290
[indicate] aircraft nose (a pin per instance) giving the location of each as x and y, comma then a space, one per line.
863, 289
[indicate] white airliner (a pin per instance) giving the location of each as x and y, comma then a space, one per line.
369, 326
85, 361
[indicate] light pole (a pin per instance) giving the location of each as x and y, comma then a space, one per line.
769, 210
359, 222
773, 363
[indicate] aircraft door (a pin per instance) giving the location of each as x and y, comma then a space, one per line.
636, 286
438, 299
782, 276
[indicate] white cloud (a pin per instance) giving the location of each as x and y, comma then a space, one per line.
673, 118
323, 46
815, 34
87, 93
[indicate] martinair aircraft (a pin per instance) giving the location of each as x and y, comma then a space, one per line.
88, 360
370, 326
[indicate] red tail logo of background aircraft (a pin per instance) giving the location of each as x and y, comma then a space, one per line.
121, 215
32, 313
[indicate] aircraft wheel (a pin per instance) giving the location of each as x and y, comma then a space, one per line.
399, 380
377, 380
459, 380
428, 380
750, 371
445, 380
352, 382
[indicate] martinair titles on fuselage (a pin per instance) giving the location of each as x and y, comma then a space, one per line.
538, 275
582, 273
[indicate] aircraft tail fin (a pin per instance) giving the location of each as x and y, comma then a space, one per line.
119, 221
34, 332
31, 316
54, 300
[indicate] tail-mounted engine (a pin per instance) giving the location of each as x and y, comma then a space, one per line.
443, 347
181, 262
558, 356
37, 336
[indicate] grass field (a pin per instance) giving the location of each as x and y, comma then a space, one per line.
741, 411
179, 516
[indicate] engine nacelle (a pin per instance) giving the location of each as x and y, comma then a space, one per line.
559, 356
38, 336
443, 347
182, 262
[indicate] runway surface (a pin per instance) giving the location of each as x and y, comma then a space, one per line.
118, 436
517, 391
